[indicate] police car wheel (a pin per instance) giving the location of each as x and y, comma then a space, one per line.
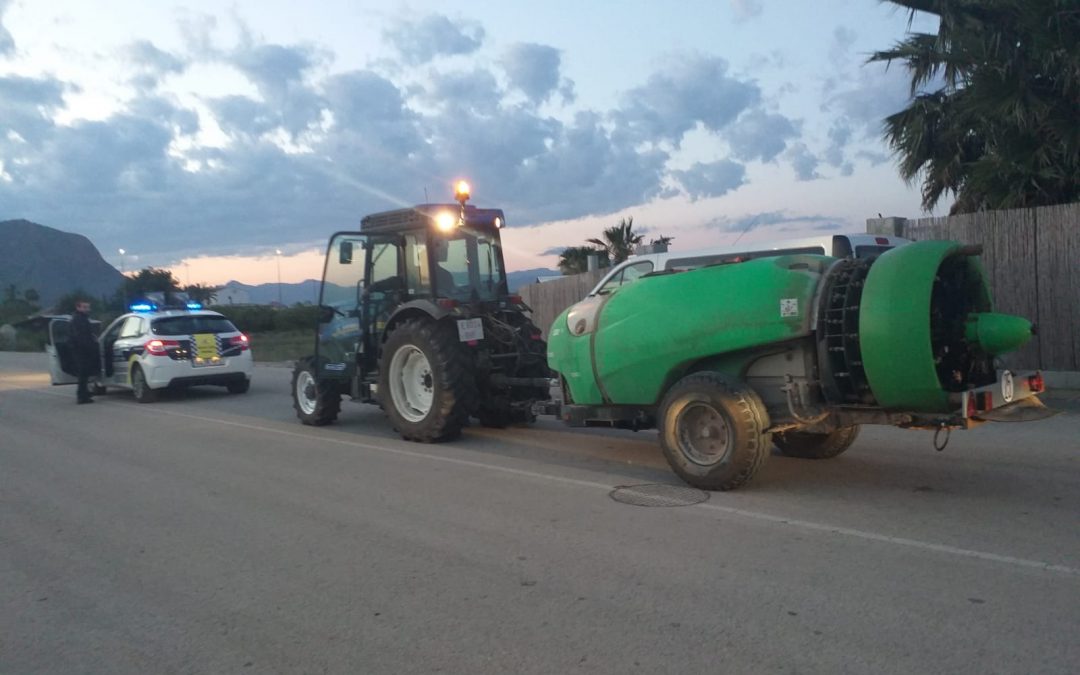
239, 386
143, 392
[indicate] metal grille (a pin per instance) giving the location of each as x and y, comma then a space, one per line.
658, 494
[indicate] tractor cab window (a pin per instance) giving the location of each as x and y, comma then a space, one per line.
468, 267
344, 273
417, 273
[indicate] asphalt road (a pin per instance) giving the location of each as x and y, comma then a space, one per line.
210, 533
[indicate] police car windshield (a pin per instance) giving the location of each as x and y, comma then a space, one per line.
189, 325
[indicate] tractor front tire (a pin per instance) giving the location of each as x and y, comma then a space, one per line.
806, 445
426, 386
713, 431
316, 405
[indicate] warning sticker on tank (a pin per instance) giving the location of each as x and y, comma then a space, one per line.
789, 307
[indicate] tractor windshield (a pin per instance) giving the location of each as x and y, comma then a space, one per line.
468, 267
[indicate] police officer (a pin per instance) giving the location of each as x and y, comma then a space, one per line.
84, 349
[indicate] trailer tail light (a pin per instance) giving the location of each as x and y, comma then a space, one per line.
1036, 383
160, 347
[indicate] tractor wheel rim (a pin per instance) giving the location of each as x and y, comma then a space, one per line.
703, 434
306, 394
411, 383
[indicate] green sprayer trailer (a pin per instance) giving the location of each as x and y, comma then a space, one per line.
795, 350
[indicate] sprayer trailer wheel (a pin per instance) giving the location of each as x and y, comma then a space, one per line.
712, 431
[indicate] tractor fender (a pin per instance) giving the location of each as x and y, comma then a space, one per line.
414, 309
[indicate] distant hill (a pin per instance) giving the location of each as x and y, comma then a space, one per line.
236, 293
516, 280
52, 262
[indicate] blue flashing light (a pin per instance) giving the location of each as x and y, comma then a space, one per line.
141, 307
194, 305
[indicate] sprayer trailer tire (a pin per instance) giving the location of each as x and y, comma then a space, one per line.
316, 405
425, 386
806, 445
712, 431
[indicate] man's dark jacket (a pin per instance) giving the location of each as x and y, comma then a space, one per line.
84, 346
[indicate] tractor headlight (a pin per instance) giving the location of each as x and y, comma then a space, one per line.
445, 221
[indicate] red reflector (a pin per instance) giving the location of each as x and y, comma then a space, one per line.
537, 336
473, 343
971, 410
515, 299
447, 303
881, 241
1037, 384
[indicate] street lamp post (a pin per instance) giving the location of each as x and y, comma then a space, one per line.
121, 252
278, 258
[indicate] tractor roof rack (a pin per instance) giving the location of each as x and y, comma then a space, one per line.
426, 215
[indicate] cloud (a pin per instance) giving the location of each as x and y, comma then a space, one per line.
371, 115
760, 135
533, 69
695, 90
803, 161
28, 104
278, 73
435, 35
745, 10
151, 64
769, 218
476, 89
711, 180
7, 42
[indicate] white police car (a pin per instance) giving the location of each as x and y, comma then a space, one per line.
159, 345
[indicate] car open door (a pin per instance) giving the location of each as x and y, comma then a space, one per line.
62, 368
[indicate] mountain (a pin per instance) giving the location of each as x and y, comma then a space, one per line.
515, 280
236, 293
52, 262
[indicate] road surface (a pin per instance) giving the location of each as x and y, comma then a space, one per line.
210, 533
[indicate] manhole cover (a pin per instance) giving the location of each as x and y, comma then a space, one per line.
659, 494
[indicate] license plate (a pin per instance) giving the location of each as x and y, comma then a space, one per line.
470, 330
206, 351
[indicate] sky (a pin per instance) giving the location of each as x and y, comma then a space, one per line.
206, 136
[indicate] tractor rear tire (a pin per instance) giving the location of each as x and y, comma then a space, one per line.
426, 385
713, 431
806, 445
316, 405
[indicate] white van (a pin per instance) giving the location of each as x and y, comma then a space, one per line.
836, 245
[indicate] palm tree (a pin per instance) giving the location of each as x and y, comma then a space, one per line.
618, 240
204, 294
575, 259
1000, 132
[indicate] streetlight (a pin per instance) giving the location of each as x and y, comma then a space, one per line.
278, 252
122, 252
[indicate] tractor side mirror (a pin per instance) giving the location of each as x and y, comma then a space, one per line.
345, 253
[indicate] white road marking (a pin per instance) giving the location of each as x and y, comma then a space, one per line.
811, 526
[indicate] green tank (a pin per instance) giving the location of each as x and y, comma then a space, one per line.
794, 350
